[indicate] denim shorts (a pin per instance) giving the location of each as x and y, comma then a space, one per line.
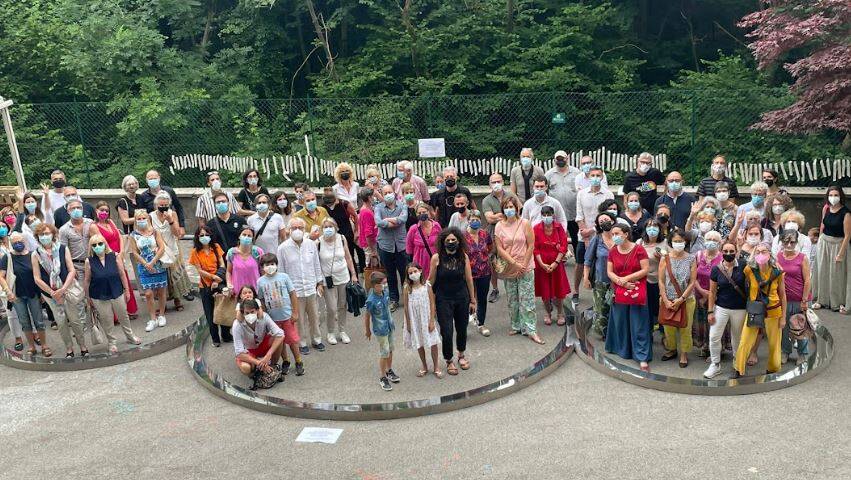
385, 344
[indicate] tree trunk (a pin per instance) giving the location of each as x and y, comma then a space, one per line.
409, 27
207, 28
322, 36
509, 16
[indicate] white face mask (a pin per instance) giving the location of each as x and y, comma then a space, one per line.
718, 169
833, 200
497, 187
270, 269
791, 226
778, 209
678, 246
415, 277
722, 196
643, 168
250, 318
704, 227
297, 235
753, 240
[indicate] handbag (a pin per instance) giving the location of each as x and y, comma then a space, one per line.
799, 328
98, 336
367, 275
635, 296
672, 317
264, 380
756, 309
329, 279
500, 265
223, 310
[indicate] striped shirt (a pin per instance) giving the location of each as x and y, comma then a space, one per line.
707, 187
207, 210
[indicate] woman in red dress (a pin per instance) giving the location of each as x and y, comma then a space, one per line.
550, 277
104, 226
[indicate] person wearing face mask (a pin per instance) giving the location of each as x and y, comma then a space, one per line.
770, 177
540, 199
257, 341
644, 181
551, 283
338, 270
709, 210
492, 210
451, 278
775, 207
718, 173
635, 215
268, 225
443, 200
439, 183
31, 217
283, 206
127, 205
164, 220
252, 185
346, 188
16, 223
595, 276
677, 200
707, 257
243, 262
312, 214
75, 235
728, 210
796, 280
9, 313
628, 332
421, 239
521, 176
298, 257
374, 181
678, 266
758, 192
663, 217
147, 247
226, 225
587, 202
105, 227
390, 218
58, 283
277, 292
106, 285
298, 189
367, 230
461, 218
207, 207
562, 187
155, 187
377, 320
726, 305
63, 215
703, 225
766, 284
420, 314
408, 198
479, 251
793, 221
583, 180
18, 282
515, 247
831, 285
654, 244
405, 175
344, 213
53, 195
208, 259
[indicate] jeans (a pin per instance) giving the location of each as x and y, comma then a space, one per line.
453, 313
29, 314
736, 319
482, 285
786, 343
395, 263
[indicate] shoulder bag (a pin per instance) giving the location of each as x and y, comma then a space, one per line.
756, 309
263, 227
668, 316
224, 306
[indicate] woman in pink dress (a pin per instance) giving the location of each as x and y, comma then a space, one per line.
243, 267
422, 238
105, 227
550, 277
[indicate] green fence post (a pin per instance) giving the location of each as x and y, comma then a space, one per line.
82, 142
694, 127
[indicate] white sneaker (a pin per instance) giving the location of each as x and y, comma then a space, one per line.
151, 325
713, 370
345, 338
161, 321
332, 340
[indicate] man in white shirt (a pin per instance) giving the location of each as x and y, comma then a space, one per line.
298, 257
53, 199
582, 180
587, 202
540, 199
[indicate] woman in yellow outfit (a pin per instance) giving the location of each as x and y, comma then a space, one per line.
762, 269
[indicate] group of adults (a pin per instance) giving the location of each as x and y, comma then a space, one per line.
704, 255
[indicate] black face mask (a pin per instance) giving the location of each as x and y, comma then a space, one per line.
729, 257
422, 217
769, 182
662, 218
461, 210
58, 183
328, 200
162, 209
451, 247
561, 163
345, 176
450, 182
606, 226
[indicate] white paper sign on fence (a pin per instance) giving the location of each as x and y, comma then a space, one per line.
432, 147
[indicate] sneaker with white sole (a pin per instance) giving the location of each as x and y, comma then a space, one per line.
345, 338
151, 325
161, 321
332, 340
385, 384
713, 371
493, 296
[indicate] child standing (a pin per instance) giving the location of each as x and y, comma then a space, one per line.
277, 292
378, 317
420, 312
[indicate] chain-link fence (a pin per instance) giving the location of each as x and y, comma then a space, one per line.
97, 143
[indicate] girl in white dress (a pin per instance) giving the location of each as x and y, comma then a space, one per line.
420, 329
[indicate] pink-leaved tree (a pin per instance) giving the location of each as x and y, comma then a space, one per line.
818, 32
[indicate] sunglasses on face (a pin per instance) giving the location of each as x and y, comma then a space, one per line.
728, 251
790, 242
99, 244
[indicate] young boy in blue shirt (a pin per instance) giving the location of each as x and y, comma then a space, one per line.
378, 317
278, 294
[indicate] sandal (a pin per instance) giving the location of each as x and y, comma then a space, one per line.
462, 361
69, 354
438, 374
32, 351
547, 319
645, 367
843, 310
535, 338
669, 355
816, 306
84, 353
451, 368
511, 333
179, 308
484, 331
422, 373
561, 321
752, 360
46, 351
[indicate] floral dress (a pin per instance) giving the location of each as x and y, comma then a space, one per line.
147, 246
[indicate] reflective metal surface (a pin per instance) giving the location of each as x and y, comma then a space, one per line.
628, 371
58, 362
369, 411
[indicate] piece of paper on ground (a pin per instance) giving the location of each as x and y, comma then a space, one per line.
319, 435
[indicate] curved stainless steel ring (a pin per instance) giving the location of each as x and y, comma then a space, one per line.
594, 356
369, 411
59, 363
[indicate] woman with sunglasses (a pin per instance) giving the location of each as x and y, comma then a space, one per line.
726, 304
797, 282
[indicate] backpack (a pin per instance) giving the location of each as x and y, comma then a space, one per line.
264, 380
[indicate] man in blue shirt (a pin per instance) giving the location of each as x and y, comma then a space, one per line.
676, 199
390, 218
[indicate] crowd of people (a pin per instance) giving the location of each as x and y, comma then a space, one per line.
688, 266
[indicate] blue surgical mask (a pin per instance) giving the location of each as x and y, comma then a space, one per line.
476, 224
586, 168
596, 181
222, 207
252, 180
652, 232
674, 186
204, 239
711, 245
18, 246
525, 161
400, 175
617, 239
540, 193
634, 206
99, 249
154, 183
262, 207
142, 224
45, 239
328, 232
409, 197
245, 240
310, 205
440, 186
509, 212
4, 231
389, 198
31, 206
757, 200
77, 213
547, 220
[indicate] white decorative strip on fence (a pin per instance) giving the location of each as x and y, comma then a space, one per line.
799, 171
312, 167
